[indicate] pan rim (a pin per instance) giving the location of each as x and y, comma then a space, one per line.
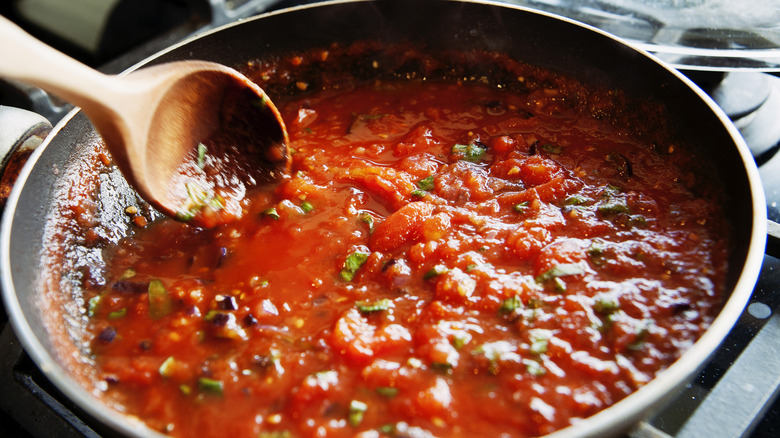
626, 410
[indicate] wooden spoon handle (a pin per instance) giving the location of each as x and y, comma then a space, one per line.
24, 58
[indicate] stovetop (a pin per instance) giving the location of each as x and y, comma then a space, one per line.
733, 396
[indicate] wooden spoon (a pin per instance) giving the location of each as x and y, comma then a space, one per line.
192, 137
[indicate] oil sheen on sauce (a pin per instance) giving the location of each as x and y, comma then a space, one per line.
445, 259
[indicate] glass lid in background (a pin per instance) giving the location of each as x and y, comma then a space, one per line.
719, 35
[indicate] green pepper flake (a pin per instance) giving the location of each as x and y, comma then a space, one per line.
185, 389
521, 207
166, 368
306, 206
562, 270
426, 183
435, 272
201, 156
117, 314
160, 302
387, 391
93, 304
351, 265
211, 386
471, 152
272, 213
377, 306
357, 409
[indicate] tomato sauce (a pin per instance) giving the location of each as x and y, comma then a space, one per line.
446, 258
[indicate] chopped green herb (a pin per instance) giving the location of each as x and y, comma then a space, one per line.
356, 411
521, 207
641, 334
197, 200
442, 367
160, 302
387, 391
575, 200
613, 206
472, 152
376, 306
201, 156
121, 313
637, 220
272, 213
185, 389
128, 274
211, 386
435, 271
387, 429
368, 220
93, 304
351, 265
540, 339
426, 183
419, 193
166, 369
260, 102
605, 305
560, 271
306, 206
509, 305
596, 248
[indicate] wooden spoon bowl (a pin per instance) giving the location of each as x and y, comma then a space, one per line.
192, 137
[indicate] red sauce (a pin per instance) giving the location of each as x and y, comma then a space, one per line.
445, 259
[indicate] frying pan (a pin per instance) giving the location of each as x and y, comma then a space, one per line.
50, 325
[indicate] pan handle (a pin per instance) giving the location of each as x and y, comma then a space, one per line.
773, 239
21, 131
